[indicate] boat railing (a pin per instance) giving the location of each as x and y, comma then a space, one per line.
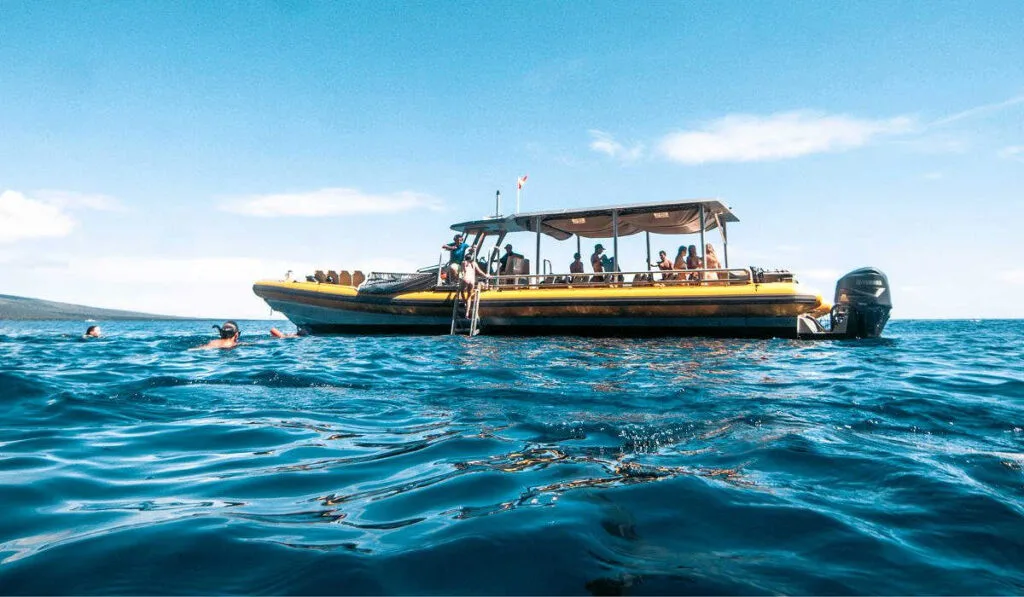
685, 277
440, 264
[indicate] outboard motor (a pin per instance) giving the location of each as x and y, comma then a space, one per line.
860, 310
862, 304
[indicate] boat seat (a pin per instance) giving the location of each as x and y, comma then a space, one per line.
332, 277
345, 278
320, 276
358, 278
517, 265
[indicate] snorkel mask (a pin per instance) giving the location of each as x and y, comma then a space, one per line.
228, 330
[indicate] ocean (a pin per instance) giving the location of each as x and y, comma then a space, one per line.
450, 465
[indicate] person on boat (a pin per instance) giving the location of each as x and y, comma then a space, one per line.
664, 265
694, 262
681, 260
458, 249
504, 259
93, 331
470, 270
576, 267
711, 261
229, 333
597, 261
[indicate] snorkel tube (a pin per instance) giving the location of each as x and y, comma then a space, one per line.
228, 330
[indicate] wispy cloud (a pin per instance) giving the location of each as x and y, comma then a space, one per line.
751, 138
1013, 152
603, 142
329, 202
979, 111
23, 218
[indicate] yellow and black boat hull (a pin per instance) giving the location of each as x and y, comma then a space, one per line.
737, 310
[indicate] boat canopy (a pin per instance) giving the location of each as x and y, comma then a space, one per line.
670, 217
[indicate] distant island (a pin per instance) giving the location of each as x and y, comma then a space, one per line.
20, 307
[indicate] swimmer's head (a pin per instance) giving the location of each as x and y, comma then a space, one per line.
228, 330
93, 331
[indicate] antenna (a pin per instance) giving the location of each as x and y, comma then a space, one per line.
497, 203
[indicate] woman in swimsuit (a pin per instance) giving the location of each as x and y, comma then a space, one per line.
470, 269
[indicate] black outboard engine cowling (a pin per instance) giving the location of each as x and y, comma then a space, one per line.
862, 304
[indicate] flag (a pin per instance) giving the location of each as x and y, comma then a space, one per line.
520, 182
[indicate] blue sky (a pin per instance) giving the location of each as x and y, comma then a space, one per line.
162, 156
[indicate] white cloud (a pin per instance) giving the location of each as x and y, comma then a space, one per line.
189, 287
1013, 152
750, 138
329, 202
22, 218
605, 143
76, 200
1013, 276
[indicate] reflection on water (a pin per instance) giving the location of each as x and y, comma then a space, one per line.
539, 465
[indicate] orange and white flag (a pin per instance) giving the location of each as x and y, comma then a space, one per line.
520, 182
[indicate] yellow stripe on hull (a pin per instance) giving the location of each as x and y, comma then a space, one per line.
581, 293
738, 309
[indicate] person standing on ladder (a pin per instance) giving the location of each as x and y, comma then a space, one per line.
470, 270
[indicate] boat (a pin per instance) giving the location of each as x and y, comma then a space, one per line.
524, 299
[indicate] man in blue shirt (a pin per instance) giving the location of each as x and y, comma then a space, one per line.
458, 253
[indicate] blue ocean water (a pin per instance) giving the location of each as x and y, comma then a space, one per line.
447, 465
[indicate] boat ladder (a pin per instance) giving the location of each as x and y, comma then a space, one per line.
462, 324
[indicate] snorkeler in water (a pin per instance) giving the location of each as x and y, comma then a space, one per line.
229, 333
276, 333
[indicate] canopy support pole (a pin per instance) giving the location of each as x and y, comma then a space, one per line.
537, 264
703, 263
615, 240
648, 234
578, 246
725, 244
492, 259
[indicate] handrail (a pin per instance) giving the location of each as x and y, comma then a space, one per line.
510, 281
440, 264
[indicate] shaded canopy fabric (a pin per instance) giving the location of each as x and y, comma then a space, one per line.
600, 226
656, 218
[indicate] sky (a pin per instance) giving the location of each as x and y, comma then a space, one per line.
161, 157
